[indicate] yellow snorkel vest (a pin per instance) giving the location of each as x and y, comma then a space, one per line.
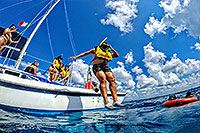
64, 73
101, 54
57, 65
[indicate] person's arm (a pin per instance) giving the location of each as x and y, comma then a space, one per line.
115, 54
35, 70
14, 30
8, 31
11, 41
83, 54
53, 63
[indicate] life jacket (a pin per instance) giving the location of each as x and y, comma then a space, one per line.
64, 73
58, 64
99, 53
59, 77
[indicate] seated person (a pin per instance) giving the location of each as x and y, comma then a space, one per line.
32, 68
7, 36
189, 94
172, 97
64, 73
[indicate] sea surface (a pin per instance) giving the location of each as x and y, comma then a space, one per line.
139, 116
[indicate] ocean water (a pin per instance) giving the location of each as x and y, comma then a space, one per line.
139, 116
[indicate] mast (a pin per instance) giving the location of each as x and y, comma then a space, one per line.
32, 34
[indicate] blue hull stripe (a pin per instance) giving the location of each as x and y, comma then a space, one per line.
43, 112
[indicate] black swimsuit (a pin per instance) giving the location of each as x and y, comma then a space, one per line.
101, 67
29, 70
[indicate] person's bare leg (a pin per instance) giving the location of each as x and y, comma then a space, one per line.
102, 79
50, 73
1, 48
112, 85
2, 43
56, 72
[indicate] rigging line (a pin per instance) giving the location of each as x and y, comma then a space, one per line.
30, 23
69, 29
11, 43
38, 14
40, 69
70, 37
44, 13
38, 58
17, 15
13, 39
23, 32
32, 34
15, 4
34, 19
49, 37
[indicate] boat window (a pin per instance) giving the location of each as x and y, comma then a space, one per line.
12, 73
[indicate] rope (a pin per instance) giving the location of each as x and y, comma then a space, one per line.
38, 14
41, 69
69, 29
15, 4
23, 32
70, 37
26, 10
38, 58
49, 37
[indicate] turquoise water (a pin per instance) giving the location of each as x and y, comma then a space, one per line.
139, 116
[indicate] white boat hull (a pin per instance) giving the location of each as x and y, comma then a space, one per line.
37, 96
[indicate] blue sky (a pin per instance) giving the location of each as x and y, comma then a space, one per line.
168, 26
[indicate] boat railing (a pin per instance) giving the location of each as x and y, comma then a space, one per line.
25, 75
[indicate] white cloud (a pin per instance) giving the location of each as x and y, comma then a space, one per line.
164, 73
159, 74
145, 82
197, 46
154, 26
79, 72
40, 74
129, 58
24, 64
123, 77
180, 15
123, 11
137, 70
175, 65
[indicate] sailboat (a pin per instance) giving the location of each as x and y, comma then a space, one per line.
25, 92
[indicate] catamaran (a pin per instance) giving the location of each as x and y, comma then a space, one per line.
29, 93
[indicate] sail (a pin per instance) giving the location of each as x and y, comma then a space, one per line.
15, 48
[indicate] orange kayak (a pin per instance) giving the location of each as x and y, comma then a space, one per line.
178, 102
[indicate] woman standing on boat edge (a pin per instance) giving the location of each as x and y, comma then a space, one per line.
7, 36
55, 68
103, 73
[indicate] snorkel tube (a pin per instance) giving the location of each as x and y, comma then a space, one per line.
103, 42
